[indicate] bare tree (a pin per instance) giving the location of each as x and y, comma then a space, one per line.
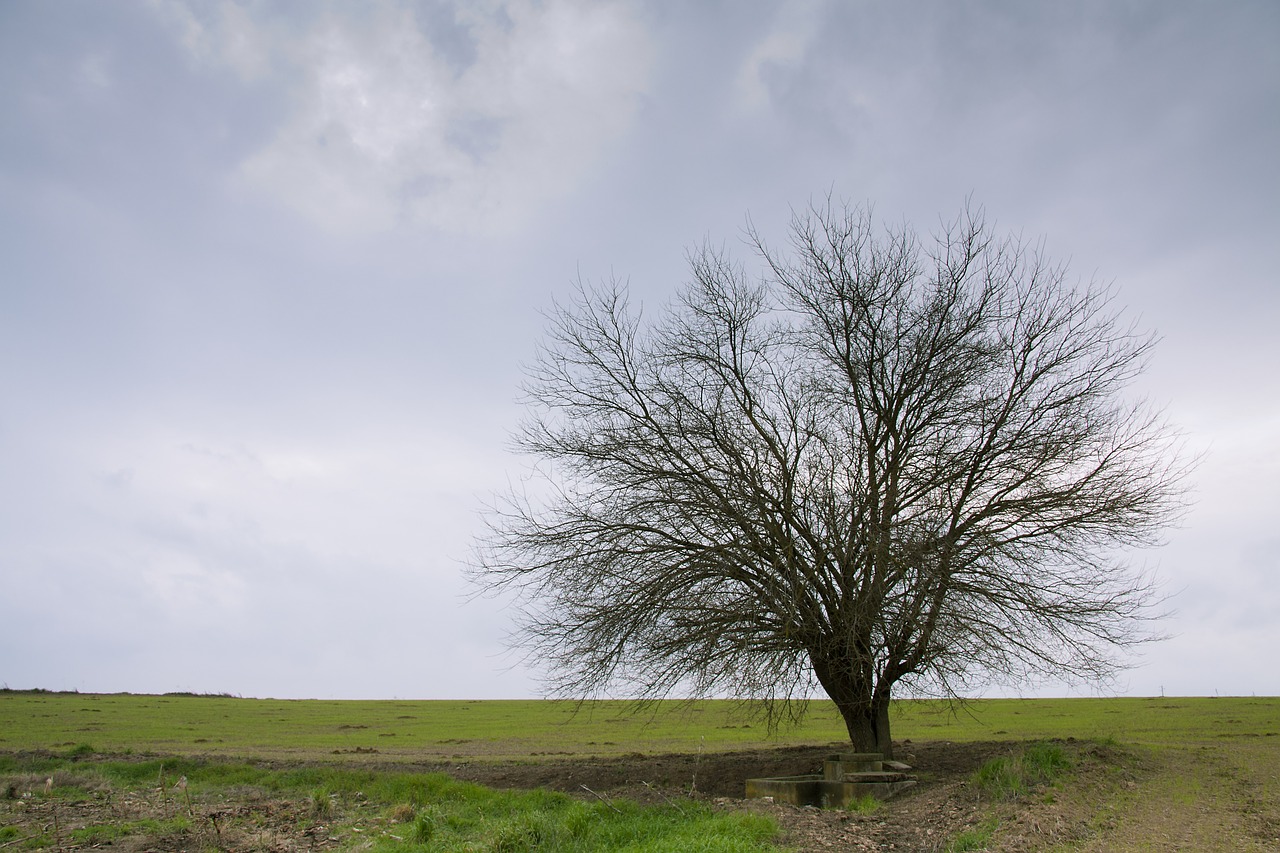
876, 465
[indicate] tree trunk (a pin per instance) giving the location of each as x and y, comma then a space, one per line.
865, 709
868, 725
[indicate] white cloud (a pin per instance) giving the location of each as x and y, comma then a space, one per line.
95, 72
385, 129
785, 45
225, 35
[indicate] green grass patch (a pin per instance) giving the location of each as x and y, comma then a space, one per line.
110, 833
865, 805
1011, 777
975, 838
381, 810
472, 817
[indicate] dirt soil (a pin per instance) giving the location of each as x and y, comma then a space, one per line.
925, 818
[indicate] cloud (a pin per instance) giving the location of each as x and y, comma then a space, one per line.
784, 46
225, 34
387, 129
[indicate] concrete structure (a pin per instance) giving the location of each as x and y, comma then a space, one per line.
844, 778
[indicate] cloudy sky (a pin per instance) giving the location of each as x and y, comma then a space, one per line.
269, 272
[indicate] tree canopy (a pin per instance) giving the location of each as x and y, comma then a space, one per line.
878, 462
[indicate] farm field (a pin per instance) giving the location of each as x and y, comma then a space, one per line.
530, 730
1144, 774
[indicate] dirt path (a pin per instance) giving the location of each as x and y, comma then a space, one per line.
1197, 798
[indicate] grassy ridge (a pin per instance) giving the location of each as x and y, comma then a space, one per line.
529, 730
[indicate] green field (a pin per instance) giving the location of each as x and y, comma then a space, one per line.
223, 773
529, 730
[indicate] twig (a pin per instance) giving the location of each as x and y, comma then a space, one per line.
693, 789
53, 806
213, 819
601, 799
670, 801
182, 786
164, 793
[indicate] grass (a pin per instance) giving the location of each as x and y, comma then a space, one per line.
402, 730
1133, 720
390, 729
975, 838
96, 746
106, 834
381, 811
1221, 796
1011, 777
865, 805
